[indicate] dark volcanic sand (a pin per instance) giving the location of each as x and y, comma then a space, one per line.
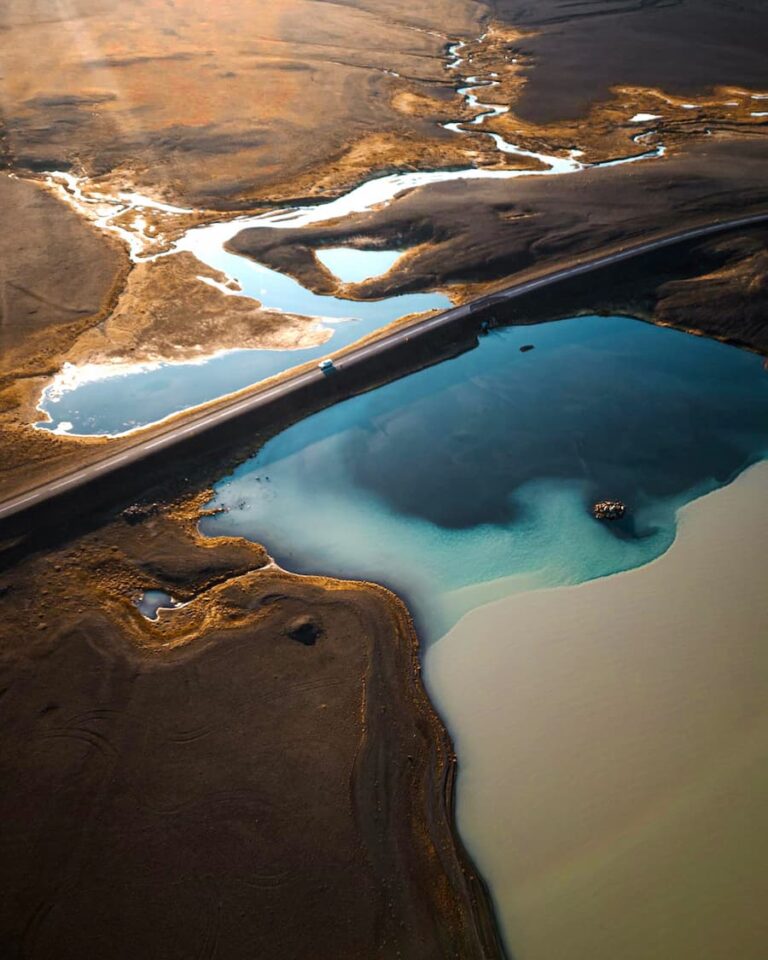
580, 50
247, 794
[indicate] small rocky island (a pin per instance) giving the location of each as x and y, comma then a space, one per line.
609, 510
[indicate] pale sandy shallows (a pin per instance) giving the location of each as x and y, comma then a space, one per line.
613, 742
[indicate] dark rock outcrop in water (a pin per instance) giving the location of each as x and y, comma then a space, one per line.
609, 510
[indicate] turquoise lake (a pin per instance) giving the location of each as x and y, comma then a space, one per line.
474, 479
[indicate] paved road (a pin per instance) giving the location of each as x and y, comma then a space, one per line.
202, 421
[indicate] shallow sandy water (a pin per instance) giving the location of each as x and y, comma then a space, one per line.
612, 740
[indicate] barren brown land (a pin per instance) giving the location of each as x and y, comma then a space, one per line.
468, 236
226, 102
578, 52
166, 312
259, 773
255, 773
248, 104
60, 278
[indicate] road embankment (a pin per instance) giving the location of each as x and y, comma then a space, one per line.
226, 430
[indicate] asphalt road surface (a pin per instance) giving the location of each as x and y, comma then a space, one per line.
205, 419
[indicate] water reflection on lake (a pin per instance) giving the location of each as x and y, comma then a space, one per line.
599, 727
473, 479
355, 266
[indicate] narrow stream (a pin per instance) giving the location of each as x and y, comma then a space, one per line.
113, 399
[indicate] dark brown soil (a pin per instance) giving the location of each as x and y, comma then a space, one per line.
213, 785
60, 278
578, 51
57, 273
473, 235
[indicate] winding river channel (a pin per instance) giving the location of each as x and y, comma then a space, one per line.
599, 708
85, 401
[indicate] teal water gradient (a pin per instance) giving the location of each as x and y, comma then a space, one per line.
473, 479
121, 403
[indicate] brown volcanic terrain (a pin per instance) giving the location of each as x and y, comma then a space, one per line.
213, 102
467, 235
210, 785
165, 312
256, 774
604, 128
70, 292
577, 52
245, 104
58, 274
60, 278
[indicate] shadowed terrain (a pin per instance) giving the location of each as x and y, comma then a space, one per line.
578, 51
257, 771
469, 236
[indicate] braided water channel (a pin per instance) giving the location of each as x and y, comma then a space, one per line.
113, 399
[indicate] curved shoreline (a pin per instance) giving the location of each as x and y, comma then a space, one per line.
248, 401
362, 197
639, 674
157, 746
322, 763
203, 241
507, 625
